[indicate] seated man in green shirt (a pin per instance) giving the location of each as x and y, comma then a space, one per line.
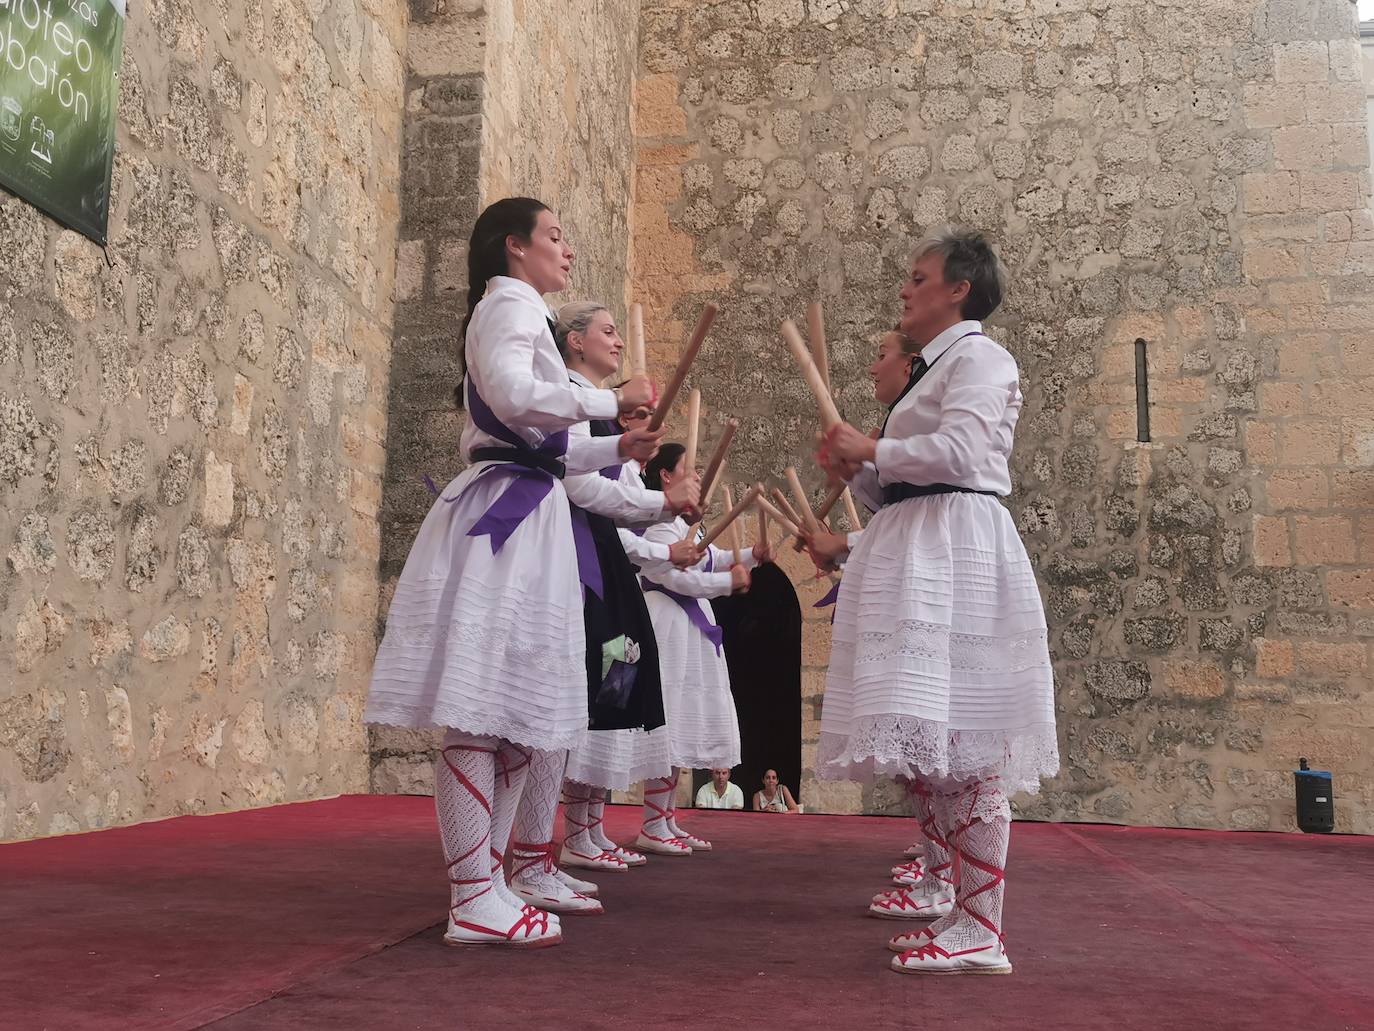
720, 793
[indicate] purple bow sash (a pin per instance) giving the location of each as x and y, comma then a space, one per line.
529, 486
588, 564
830, 598
695, 616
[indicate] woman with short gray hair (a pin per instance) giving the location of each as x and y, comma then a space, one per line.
940, 669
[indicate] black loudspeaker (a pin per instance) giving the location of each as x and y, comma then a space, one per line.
1316, 808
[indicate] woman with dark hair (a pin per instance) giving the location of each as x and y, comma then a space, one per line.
940, 667
484, 632
703, 728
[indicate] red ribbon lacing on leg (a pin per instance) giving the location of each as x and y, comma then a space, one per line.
482, 800
525, 757
666, 787
997, 874
600, 854
944, 871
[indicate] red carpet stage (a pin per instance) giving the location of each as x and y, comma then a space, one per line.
326, 915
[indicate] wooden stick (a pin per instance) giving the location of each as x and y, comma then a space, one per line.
766, 508
852, 511
803, 505
749, 497
836, 492
786, 506
762, 534
815, 328
712, 474
693, 425
830, 415
639, 363
734, 527
705, 504
824, 510
684, 365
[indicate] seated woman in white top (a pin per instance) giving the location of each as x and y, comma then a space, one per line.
775, 797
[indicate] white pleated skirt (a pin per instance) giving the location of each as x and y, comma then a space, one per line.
940, 662
703, 728
483, 643
616, 760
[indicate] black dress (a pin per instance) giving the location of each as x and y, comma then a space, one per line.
624, 691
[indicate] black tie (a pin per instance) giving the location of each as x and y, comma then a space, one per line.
918, 369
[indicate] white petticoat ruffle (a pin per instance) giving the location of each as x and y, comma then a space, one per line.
489, 644
616, 760
940, 665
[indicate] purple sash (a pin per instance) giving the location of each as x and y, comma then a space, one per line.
831, 597
530, 486
695, 616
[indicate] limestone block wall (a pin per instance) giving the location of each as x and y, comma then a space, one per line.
192, 435
502, 99
1194, 176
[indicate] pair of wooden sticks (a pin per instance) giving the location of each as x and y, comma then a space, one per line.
639, 360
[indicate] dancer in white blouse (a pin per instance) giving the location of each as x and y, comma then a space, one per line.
624, 695
940, 668
484, 633
613, 759
703, 728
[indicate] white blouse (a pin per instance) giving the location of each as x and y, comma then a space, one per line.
514, 365
696, 582
625, 500
956, 426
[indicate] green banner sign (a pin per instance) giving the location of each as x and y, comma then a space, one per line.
59, 66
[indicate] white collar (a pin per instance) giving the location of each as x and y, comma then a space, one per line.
580, 379
509, 284
942, 343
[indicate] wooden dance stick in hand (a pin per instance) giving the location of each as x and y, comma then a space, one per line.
684, 365
763, 519
639, 363
835, 493
830, 415
734, 527
851, 511
786, 507
713, 468
815, 329
749, 497
765, 508
809, 521
693, 425
706, 497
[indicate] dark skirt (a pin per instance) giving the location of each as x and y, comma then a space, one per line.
624, 691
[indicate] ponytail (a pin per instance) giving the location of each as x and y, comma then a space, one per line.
665, 461
514, 216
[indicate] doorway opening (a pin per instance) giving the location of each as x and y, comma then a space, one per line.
762, 632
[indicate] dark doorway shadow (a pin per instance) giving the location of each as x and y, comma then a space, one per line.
763, 631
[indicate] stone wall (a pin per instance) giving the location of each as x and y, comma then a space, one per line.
503, 99
192, 435
1193, 175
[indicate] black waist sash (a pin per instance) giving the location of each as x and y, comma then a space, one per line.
895, 492
527, 457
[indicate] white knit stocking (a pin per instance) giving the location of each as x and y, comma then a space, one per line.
512, 768
532, 841
578, 828
658, 807
596, 816
982, 819
463, 789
